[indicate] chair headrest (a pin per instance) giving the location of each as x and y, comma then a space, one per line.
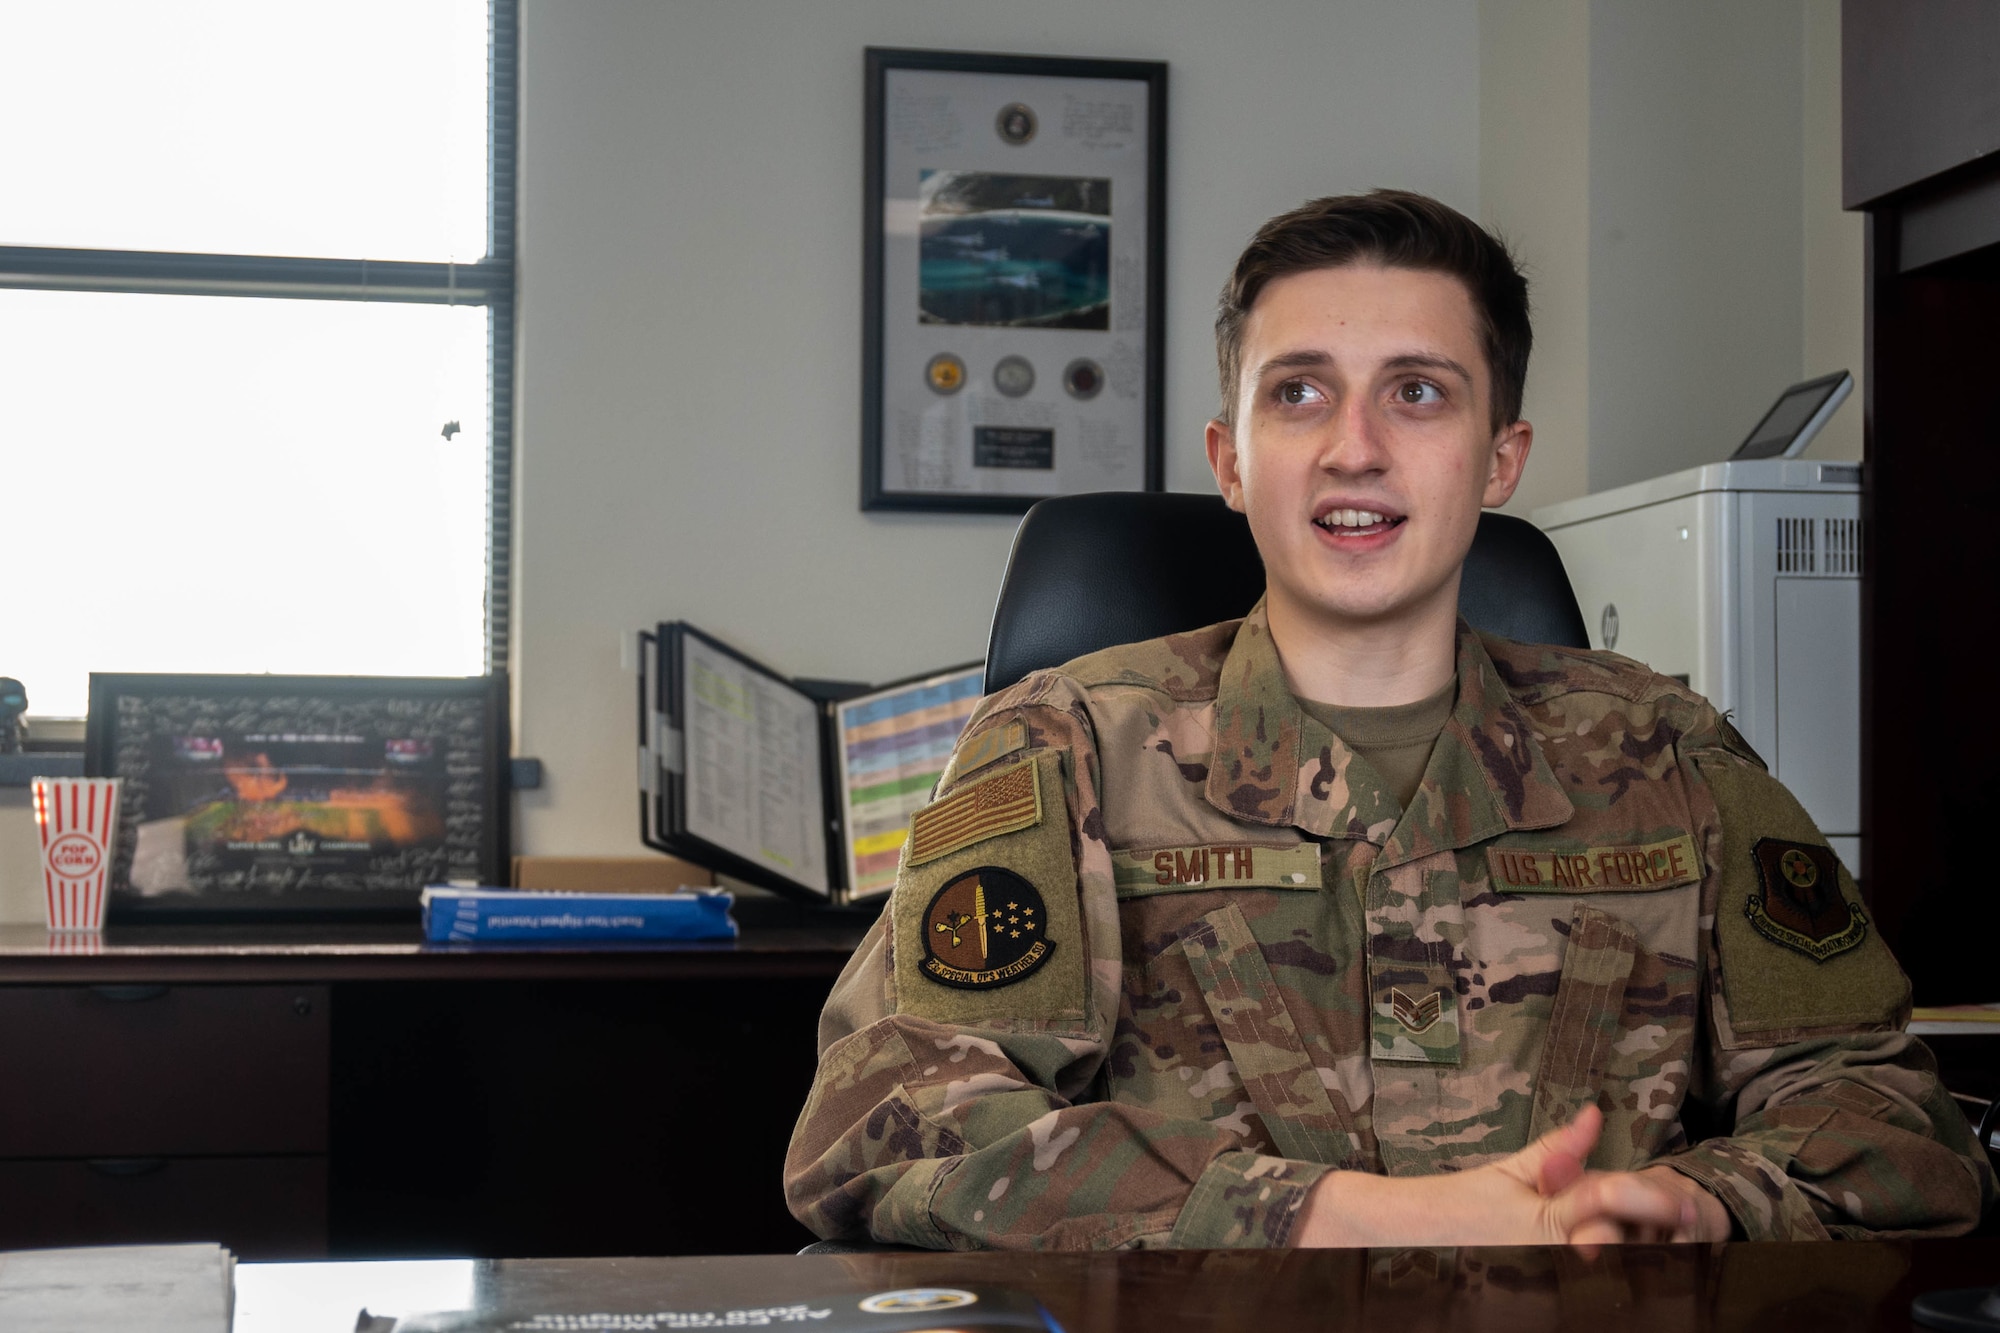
1091, 571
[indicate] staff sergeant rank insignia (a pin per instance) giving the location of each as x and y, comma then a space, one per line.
1801, 906
986, 928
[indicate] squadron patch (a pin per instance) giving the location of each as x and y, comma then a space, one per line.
1801, 906
1003, 802
985, 928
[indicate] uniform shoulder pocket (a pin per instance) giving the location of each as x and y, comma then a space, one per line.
1795, 946
985, 912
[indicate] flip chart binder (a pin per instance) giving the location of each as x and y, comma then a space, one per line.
802, 787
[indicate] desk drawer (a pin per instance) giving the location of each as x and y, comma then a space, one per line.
261, 1208
131, 1071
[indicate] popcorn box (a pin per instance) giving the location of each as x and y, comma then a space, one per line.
78, 822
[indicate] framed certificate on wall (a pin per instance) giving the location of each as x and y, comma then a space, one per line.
1014, 250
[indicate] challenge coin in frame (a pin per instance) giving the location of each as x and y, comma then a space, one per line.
1083, 378
1016, 123
946, 373
1013, 376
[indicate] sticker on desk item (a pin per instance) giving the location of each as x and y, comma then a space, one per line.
1141, 872
1005, 802
1802, 906
985, 928
918, 1300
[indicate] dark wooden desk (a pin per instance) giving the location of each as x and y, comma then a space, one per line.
353, 1092
1768, 1288
306, 954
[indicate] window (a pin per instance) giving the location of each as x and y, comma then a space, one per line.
256, 338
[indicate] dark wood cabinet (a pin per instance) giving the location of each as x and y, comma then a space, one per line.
144, 1112
261, 1207
1920, 129
163, 1071
299, 1092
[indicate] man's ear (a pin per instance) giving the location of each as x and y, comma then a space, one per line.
1510, 460
1220, 438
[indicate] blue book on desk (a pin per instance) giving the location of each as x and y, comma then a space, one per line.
470, 916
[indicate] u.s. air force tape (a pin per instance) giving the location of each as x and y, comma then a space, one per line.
1621, 869
985, 928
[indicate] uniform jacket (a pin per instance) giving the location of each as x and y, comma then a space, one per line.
1161, 953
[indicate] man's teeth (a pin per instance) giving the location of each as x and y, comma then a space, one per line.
1352, 518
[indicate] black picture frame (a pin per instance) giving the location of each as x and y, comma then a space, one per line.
433, 809
1015, 445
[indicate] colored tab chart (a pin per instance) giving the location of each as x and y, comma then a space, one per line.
893, 745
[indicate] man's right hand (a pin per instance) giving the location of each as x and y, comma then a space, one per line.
1540, 1195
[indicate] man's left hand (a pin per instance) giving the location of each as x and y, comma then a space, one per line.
1617, 1206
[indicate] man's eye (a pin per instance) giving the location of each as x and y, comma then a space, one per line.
1418, 393
1292, 393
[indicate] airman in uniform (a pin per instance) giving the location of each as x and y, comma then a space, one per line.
1347, 924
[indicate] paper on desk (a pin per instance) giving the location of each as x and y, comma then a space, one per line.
116, 1288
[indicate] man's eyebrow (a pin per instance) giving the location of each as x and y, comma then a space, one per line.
1313, 359
1303, 359
1428, 361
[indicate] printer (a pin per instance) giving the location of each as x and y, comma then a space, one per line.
1742, 579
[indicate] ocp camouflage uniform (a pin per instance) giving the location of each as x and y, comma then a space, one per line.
1253, 967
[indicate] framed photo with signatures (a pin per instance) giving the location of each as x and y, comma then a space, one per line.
1014, 252
259, 797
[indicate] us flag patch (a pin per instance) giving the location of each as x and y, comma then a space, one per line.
1005, 802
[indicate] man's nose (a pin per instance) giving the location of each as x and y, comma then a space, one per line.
1356, 441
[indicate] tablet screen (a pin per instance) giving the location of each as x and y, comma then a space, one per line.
1793, 411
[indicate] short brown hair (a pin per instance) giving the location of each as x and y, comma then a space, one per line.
1397, 229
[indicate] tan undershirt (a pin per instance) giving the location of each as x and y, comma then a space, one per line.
1396, 741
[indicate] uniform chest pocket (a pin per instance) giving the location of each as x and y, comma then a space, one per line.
1584, 1025
1623, 868
1263, 1040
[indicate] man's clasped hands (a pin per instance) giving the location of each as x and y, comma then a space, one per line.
1541, 1195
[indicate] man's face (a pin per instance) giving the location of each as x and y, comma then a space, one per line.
1362, 449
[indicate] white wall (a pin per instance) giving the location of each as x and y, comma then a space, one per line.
1534, 189
1670, 175
1835, 256
691, 306
1696, 227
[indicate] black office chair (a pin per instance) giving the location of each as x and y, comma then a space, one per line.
1091, 571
